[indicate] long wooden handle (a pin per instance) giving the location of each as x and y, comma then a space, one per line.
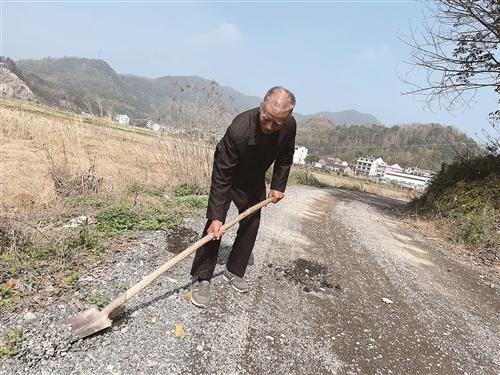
132, 291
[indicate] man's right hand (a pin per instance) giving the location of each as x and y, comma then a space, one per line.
215, 229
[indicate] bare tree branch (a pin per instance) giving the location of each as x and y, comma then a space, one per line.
458, 49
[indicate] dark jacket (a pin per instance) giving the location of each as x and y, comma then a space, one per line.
241, 160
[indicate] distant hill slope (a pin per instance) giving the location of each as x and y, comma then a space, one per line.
349, 117
91, 85
423, 145
11, 86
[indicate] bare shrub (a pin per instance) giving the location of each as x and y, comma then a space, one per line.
11, 235
67, 182
188, 155
188, 158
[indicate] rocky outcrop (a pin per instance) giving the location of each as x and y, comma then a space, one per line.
11, 86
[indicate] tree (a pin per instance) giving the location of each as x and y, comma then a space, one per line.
311, 158
459, 49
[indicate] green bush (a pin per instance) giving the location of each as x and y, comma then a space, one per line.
466, 197
138, 188
116, 218
196, 202
305, 177
158, 218
9, 341
471, 229
184, 190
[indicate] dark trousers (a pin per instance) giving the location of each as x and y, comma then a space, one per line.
205, 259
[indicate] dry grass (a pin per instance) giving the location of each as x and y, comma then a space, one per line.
56, 166
364, 185
42, 151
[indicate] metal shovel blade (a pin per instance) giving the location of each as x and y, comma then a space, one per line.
89, 322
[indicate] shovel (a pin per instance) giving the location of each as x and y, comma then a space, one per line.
91, 321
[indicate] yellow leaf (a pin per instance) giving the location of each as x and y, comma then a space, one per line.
179, 330
78, 304
188, 294
10, 283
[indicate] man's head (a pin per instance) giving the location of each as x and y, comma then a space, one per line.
275, 109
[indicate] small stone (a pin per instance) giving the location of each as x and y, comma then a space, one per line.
110, 367
29, 316
387, 300
151, 363
199, 348
271, 338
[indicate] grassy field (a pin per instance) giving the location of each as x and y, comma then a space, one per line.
72, 185
37, 144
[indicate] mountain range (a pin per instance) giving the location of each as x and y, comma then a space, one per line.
92, 86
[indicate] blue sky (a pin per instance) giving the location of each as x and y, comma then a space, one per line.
334, 56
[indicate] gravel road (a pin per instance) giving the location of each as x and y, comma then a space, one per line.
339, 285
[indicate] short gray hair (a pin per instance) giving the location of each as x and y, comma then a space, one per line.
281, 104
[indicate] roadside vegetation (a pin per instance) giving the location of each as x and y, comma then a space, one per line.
304, 176
73, 188
463, 201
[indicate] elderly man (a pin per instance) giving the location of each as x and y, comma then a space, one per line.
255, 139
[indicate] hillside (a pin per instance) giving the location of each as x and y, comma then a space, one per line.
464, 198
349, 117
91, 85
423, 145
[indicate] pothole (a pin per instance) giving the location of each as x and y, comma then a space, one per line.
312, 276
179, 238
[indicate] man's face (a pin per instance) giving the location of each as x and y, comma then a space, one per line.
271, 121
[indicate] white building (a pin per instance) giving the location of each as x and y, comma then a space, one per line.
408, 180
394, 168
369, 166
420, 172
122, 119
414, 178
299, 156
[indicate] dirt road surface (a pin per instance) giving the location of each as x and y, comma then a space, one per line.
339, 285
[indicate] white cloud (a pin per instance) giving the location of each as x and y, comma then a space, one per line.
228, 32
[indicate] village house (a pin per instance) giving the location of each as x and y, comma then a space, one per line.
414, 178
299, 155
122, 119
369, 166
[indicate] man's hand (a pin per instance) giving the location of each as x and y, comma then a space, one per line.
276, 195
215, 229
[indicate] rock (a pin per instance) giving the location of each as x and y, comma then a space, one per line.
151, 363
387, 300
271, 338
29, 316
199, 348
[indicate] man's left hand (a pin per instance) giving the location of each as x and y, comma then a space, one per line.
276, 195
